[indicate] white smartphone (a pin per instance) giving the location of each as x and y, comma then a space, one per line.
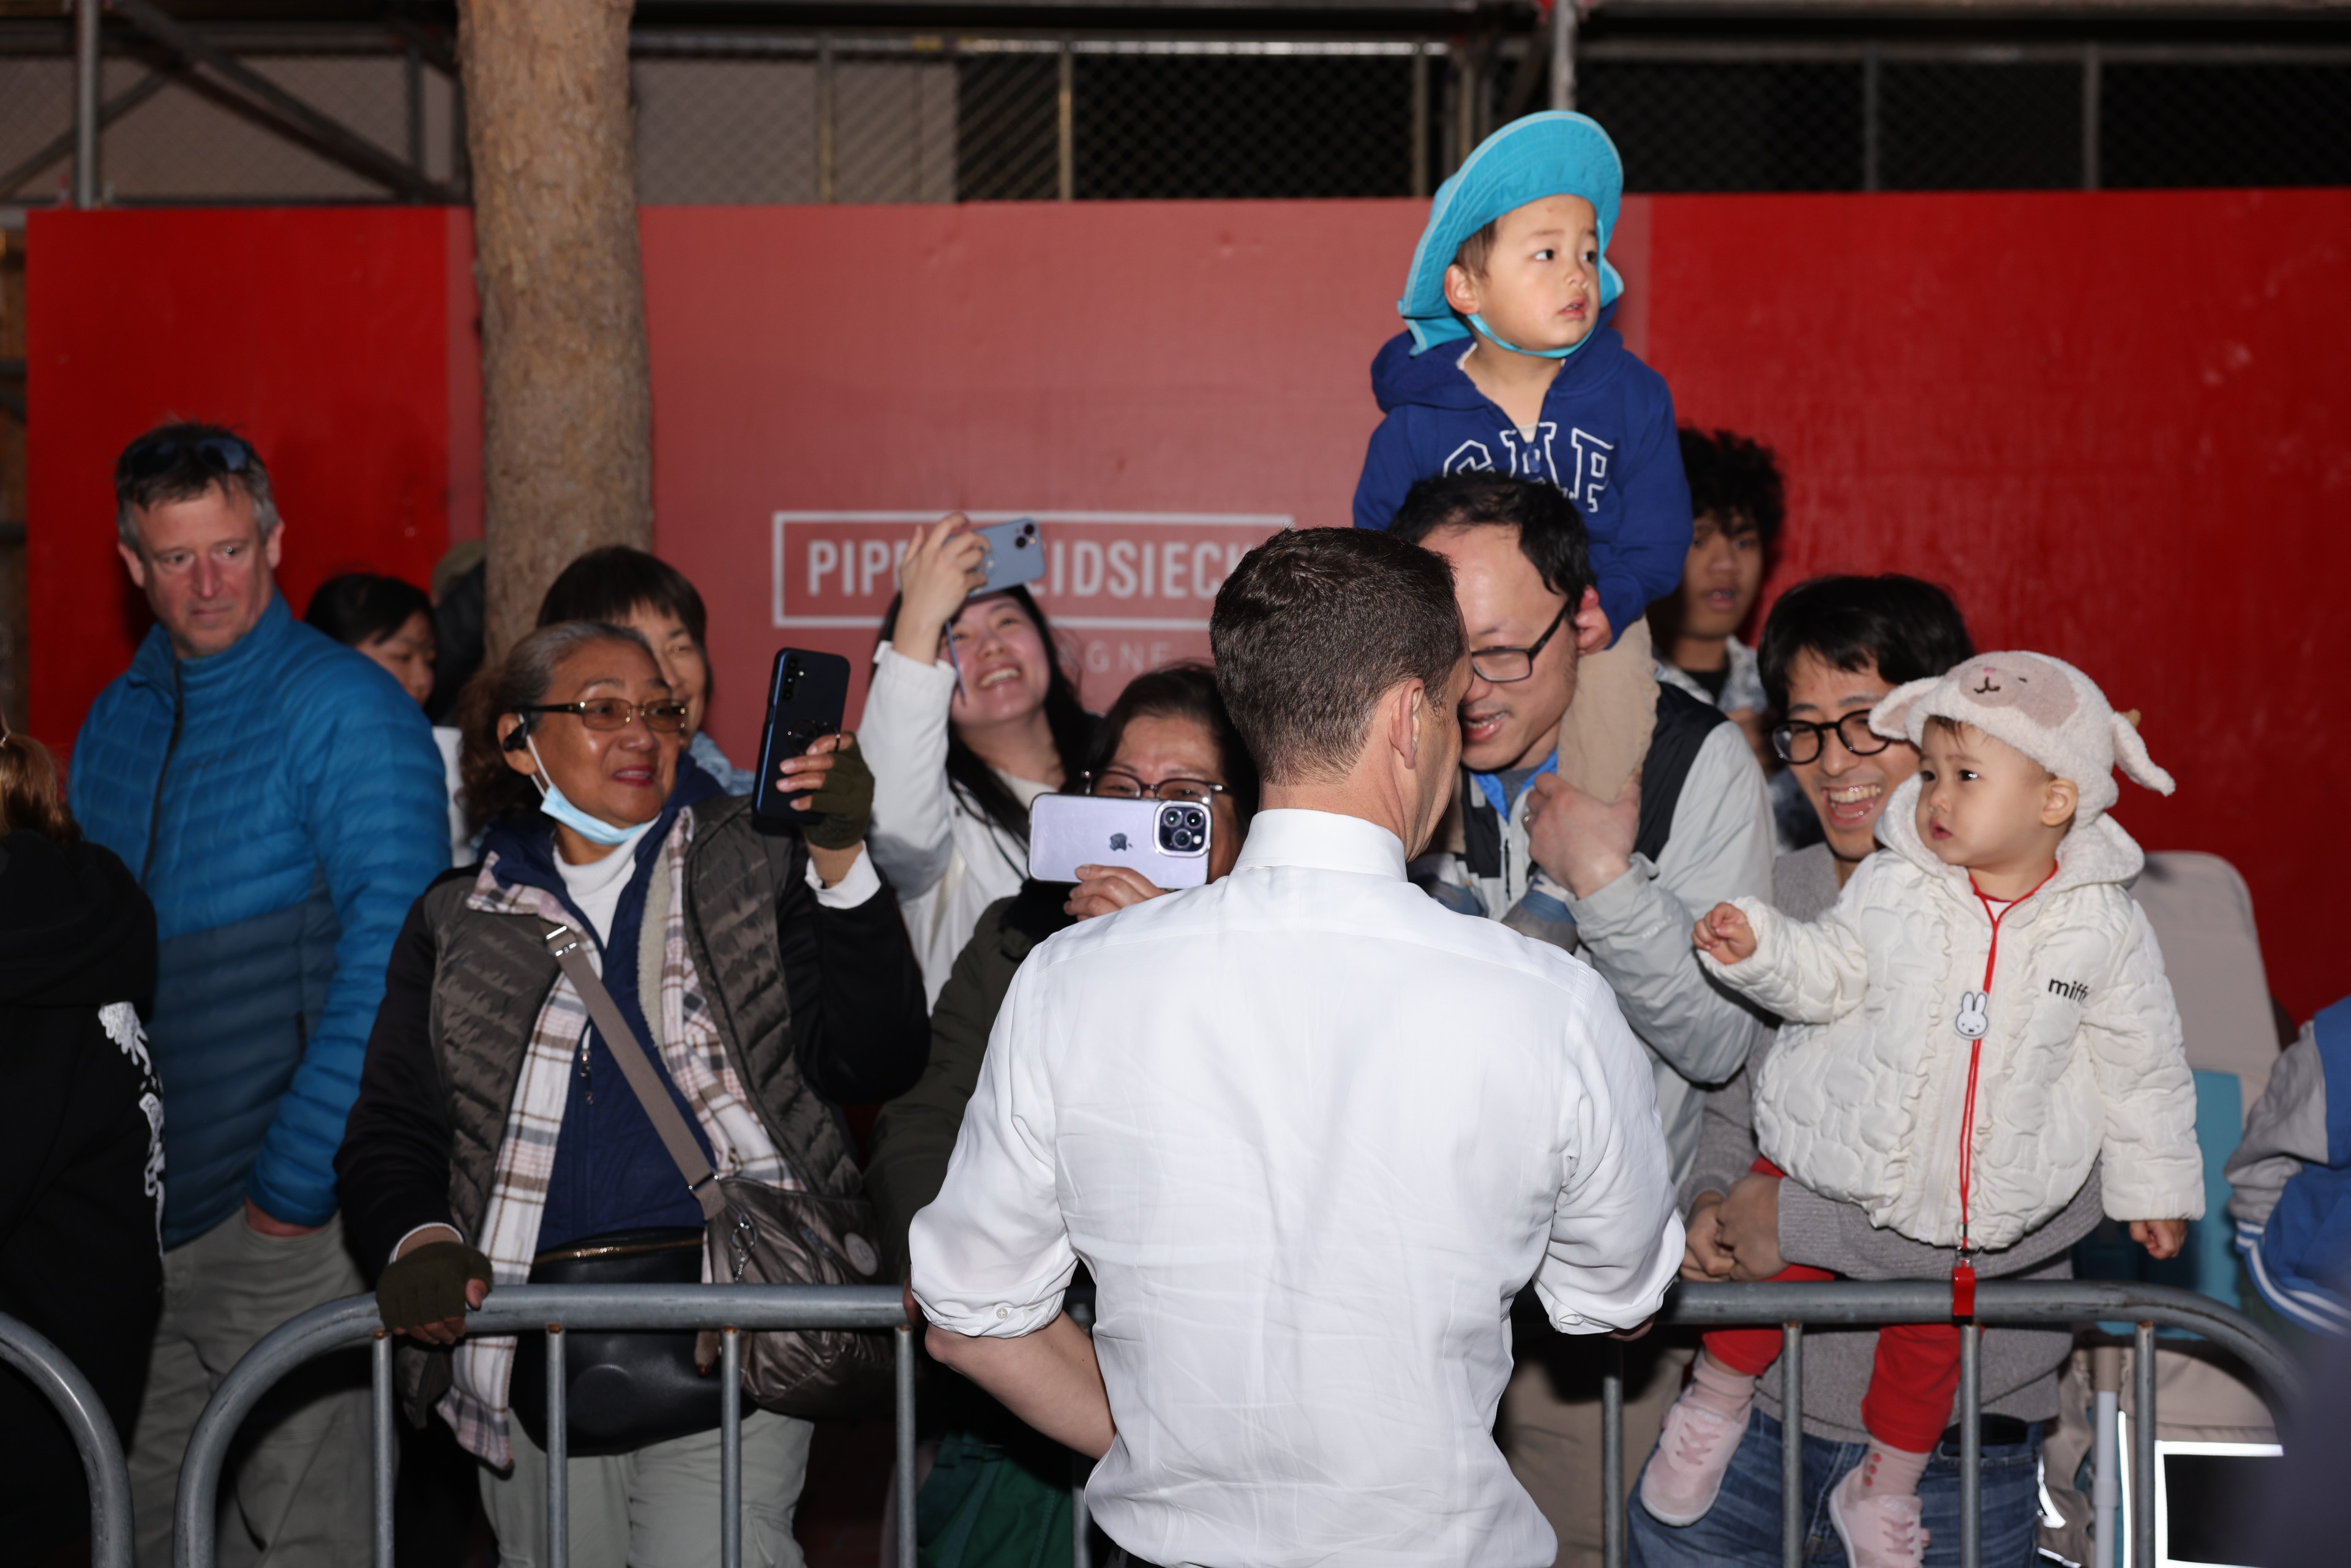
1166, 841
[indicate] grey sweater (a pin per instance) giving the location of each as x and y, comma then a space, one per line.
2020, 1365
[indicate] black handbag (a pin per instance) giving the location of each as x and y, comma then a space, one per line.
753, 1235
621, 1390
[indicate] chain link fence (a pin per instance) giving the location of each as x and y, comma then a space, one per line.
769, 116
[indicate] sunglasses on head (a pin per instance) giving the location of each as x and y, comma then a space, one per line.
213, 453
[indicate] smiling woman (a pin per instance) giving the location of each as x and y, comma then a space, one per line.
762, 970
971, 717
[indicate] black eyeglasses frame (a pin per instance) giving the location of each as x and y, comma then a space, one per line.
1786, 734
1530, 653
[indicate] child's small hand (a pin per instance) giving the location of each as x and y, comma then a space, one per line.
2161, 1237
1724, 934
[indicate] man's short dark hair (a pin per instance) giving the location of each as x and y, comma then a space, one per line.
612, 583
1734, 478
1908, 629
1550, 535
181, 460
1310, 630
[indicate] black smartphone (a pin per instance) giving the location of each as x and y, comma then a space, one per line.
807, 696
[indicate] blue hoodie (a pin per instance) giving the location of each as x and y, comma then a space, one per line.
283, 804
1606, 438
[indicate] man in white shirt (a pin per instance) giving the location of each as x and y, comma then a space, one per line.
1310, 1132
1615, 881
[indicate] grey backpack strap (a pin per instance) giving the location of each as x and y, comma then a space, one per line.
570, 950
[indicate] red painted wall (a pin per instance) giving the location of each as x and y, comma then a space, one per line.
2118, 425
324, 335
2114, 423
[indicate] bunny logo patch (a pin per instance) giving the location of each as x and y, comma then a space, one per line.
1972, 1022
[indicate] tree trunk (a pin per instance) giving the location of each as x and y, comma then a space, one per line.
567, 451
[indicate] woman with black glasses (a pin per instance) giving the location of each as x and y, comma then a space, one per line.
766, 977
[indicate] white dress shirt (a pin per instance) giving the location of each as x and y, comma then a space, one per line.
1312, 1133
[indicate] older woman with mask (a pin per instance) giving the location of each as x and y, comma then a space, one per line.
763, 970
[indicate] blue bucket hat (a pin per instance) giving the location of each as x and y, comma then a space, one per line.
1556, 153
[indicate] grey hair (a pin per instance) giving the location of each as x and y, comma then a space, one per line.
187, 479
520, 681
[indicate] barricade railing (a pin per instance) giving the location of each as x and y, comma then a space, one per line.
2000, 1304
731, 1310
32, 1353
734, 1310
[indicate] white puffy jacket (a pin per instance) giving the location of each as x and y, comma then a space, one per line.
1863, 1101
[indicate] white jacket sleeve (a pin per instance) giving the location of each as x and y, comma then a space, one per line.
1807, 972
1636, 930
2153, 1167
904, 734
991, 1255
1615, 1236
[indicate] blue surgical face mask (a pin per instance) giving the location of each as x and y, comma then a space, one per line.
553, 801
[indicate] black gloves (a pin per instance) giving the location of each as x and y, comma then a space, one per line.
844, 806
428, 1285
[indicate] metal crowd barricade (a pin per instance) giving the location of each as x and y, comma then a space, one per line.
733, 1309
32, 1353
2000, 1304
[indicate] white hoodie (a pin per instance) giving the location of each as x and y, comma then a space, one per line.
1864, 1100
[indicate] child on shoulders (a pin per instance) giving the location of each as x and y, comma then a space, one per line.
1507, 365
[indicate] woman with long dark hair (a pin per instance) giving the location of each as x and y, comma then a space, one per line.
971, 717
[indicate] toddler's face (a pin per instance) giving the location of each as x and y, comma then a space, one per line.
1541, 283
1983, 804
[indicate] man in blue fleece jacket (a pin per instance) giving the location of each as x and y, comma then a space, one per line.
1508, 365
281, 800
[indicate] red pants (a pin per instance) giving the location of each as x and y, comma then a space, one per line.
1910, 1386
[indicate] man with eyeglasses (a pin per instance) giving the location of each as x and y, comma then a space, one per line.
280, 797
1608, 879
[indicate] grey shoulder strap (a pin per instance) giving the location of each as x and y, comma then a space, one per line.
571, 955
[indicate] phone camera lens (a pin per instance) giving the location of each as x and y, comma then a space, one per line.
1193, 819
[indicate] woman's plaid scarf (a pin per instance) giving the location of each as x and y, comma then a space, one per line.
476, 1407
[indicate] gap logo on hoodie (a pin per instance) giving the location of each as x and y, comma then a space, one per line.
1528, 457
1606, 438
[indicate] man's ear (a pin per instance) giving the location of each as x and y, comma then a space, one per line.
1404, 707
135, 563
2059, 801
273, 544
1461, 290
520, 759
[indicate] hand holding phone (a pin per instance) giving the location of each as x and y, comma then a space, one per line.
1016, 554
1165, 842
807, 695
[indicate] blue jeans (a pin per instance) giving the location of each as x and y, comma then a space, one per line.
1743, 1527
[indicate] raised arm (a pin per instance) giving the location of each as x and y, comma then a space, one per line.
859, 1032
905, 730
1804, 971
1635, 927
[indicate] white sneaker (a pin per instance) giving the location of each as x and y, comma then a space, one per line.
1685, 1475
1877, 1531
